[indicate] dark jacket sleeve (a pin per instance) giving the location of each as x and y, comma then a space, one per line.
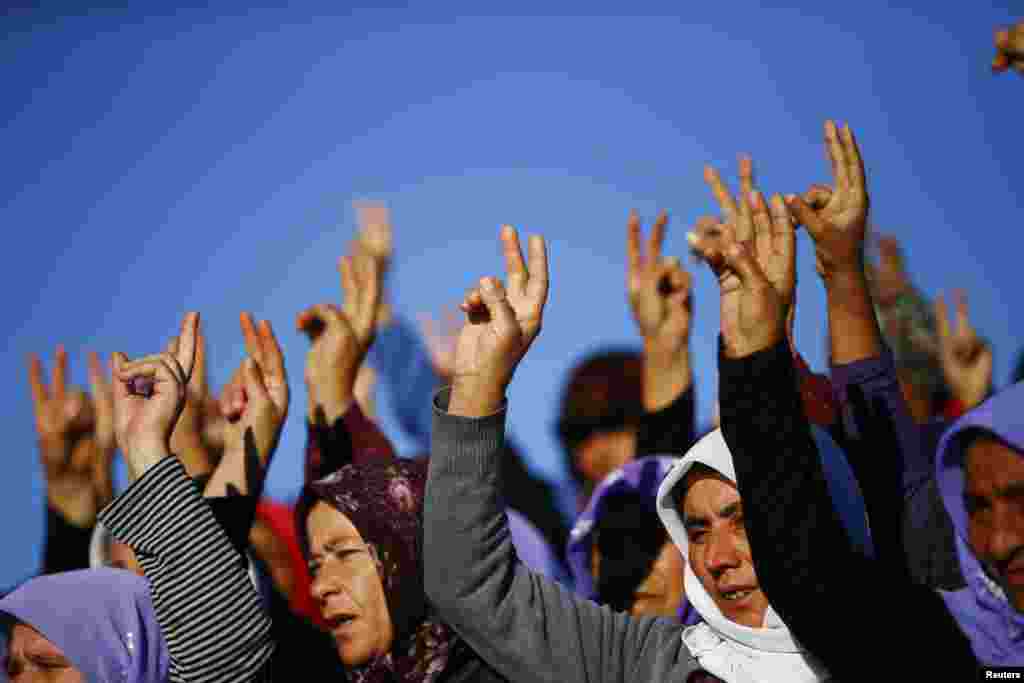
67, 545
528, 628
814, 579
352, 438
871, 386
669, 431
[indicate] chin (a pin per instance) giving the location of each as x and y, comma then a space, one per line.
352, 654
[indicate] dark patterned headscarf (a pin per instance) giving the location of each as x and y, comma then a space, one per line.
384, 501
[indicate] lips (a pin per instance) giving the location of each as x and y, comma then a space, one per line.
337, 622
736, 593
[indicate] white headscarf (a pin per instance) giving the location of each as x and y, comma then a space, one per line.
731, 651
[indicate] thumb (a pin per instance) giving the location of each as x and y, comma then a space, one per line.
807, 217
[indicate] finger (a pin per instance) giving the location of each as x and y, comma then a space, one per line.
328, 314
58, 382
255, 387
537, 288
633, 254
744, 224
807, 217
35, 379
369, 295
746, 174
252, 340
186, 351
502, 315
97, 378
836, 156
783, 232
721, 192
1000, 63
349, 288
817, 196
854, 162
272, 351
157, 369
762, 224
1003, 40
707, 249
657, 238
963, 321
941, 318
199, 368
515, 266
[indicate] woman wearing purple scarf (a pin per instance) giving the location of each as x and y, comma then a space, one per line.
361, 528
104, 629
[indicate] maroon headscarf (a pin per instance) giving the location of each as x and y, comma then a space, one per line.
384, 501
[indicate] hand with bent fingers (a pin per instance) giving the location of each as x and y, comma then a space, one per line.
966, 359
340, 338
754, 259
838, 223
889, 280
144, 421
1009, 50
69, 448
659, 296
501, 324
255, 406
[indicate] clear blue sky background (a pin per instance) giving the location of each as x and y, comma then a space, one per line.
206, 160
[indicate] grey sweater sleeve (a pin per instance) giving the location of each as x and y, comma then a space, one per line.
527, 627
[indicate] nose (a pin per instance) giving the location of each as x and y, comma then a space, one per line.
721, 553
321, 588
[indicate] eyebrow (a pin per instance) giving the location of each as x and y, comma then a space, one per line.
335, 544
1015, 489
730, 510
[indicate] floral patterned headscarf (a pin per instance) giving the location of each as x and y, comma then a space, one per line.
384, 501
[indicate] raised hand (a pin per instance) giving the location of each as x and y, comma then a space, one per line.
659, 288
839, 223
890, 280
255, 406
340, 338
966, 358
501, 324
1009, 50
104, 438
149, 395
754, 257
64, 420
659, 296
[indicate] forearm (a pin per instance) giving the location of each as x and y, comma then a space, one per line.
666, 375
526, 627
802, 553
67, 544
207, 608
351, 438
669, 430
853, 329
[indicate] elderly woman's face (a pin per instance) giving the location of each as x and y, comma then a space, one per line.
31, 658
347, 587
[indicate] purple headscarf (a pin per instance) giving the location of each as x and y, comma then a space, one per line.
101, 619
641, 476
995, 628
384, 501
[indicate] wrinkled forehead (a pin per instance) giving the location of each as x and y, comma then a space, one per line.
703, 487
991, 464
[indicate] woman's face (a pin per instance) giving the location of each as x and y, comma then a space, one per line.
31, 658
347, 587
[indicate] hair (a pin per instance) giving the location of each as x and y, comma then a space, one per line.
604, 393
697, 469
629, 537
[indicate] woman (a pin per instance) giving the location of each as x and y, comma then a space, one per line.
361, 528
118, 642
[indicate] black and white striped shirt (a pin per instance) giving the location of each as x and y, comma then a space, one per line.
211, 616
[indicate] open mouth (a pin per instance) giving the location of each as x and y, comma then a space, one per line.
340, 621
737, 595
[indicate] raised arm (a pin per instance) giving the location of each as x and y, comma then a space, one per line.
207, 608
802, 553
526, 627
659, 297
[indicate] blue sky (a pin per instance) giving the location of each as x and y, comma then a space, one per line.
206, 160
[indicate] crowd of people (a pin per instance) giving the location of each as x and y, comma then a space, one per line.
762, 547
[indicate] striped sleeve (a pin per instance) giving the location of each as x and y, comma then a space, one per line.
210, 614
